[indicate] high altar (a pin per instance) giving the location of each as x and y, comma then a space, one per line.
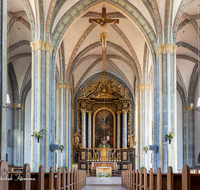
104, 115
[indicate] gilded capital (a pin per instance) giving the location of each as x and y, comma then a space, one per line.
144, 87
63, 85
41, 45
89, 112
15, 105
124, 111
186, 108
166, 48
118, 113
83, 111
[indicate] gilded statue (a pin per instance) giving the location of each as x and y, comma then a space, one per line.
131, 140
104, 88
76, 139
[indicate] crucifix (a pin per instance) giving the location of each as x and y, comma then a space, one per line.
103, 22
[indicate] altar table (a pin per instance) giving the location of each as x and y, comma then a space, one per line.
112, 165
104, 169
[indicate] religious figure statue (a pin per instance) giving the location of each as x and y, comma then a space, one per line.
131, 140
76, 139
103, 35
104, 22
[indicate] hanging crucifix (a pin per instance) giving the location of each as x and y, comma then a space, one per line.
103, 22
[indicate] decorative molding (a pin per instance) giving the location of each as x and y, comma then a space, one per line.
166, 48
63, 85
41, 45
15, 105
186, 108
144, 87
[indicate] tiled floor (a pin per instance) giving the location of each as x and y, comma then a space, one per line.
103, 188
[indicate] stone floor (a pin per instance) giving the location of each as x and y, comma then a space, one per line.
101, 181
103, 187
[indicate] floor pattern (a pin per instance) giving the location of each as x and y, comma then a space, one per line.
103, 187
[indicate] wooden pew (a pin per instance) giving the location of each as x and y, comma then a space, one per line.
51, 180
162, 181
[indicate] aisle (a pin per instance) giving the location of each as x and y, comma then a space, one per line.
101, 181
103, 188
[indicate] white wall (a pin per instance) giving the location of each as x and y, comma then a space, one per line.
27, 131
9, 120
179, 132
196, 125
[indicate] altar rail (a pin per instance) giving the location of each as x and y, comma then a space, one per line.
158, 181
27, 180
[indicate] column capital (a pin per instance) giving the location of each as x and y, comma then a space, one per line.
83, 111
166, 48
89, 112
63, 85
41, 45
144, 87
124, 111
186, 108
118, 112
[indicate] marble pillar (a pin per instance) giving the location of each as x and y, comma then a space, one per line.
42, 104
165, 110
3, 78
89, 128
83, 129
118, 129
144, 123
61, 121
124, 128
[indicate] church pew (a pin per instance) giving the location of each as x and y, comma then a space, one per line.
41, 180
164, 181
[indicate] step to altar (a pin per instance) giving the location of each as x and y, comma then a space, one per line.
103, 181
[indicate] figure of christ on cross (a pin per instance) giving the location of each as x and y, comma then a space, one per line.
103, 22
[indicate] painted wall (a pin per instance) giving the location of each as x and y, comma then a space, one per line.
197, 125
27, 131
9, 121
179, 132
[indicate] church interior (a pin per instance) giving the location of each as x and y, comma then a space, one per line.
100, 84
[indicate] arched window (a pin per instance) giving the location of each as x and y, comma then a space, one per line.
9, 138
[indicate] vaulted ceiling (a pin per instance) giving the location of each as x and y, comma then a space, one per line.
76, 41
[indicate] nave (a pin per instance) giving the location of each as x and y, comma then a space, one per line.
103, 188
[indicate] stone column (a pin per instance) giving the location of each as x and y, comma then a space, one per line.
165, 110
42, 104
89, 128
83, 129
118, 129
62, 129
3, 80
144, 122
124, 128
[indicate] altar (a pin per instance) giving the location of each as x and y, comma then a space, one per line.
107, 170
112, 165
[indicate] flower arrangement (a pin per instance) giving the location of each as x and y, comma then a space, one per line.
103, 174
143, 168
100, 146
62, 168
38, 134
169, 136
107, 145
61, 147
145, 148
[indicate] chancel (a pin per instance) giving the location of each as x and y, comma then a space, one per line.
100, 92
